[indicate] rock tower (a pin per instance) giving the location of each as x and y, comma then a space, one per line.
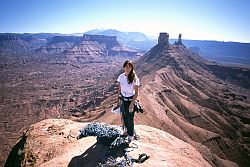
163, 39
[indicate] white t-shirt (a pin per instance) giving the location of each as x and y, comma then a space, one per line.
127, 90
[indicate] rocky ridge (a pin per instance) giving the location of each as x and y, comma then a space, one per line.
53, 142
183, 91
183, 95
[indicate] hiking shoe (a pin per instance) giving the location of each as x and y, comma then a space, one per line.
130, 138
136, 137
125, 134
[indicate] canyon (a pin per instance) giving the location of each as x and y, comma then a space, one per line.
200, 102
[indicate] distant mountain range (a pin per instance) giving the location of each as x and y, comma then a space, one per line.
86, 47
135, 40
222, 52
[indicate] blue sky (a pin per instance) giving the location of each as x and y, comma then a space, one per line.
222, 20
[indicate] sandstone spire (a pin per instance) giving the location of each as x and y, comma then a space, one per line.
163, 39
179, 42
179, 39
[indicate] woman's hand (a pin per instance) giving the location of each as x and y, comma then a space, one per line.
131, 107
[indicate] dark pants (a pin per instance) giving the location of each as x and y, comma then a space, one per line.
128, 117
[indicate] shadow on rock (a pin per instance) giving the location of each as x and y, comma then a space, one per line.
95, 155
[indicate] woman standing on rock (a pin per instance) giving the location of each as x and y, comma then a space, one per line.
127, 95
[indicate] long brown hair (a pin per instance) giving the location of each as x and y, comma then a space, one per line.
131, 75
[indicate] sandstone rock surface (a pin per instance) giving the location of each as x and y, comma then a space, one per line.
52, 142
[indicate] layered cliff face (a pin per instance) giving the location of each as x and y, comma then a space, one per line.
134, 40
86, 51
76, 46
110, 41
96, 47
70, 39
58, 44
120, 50
18, 43
55, 48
